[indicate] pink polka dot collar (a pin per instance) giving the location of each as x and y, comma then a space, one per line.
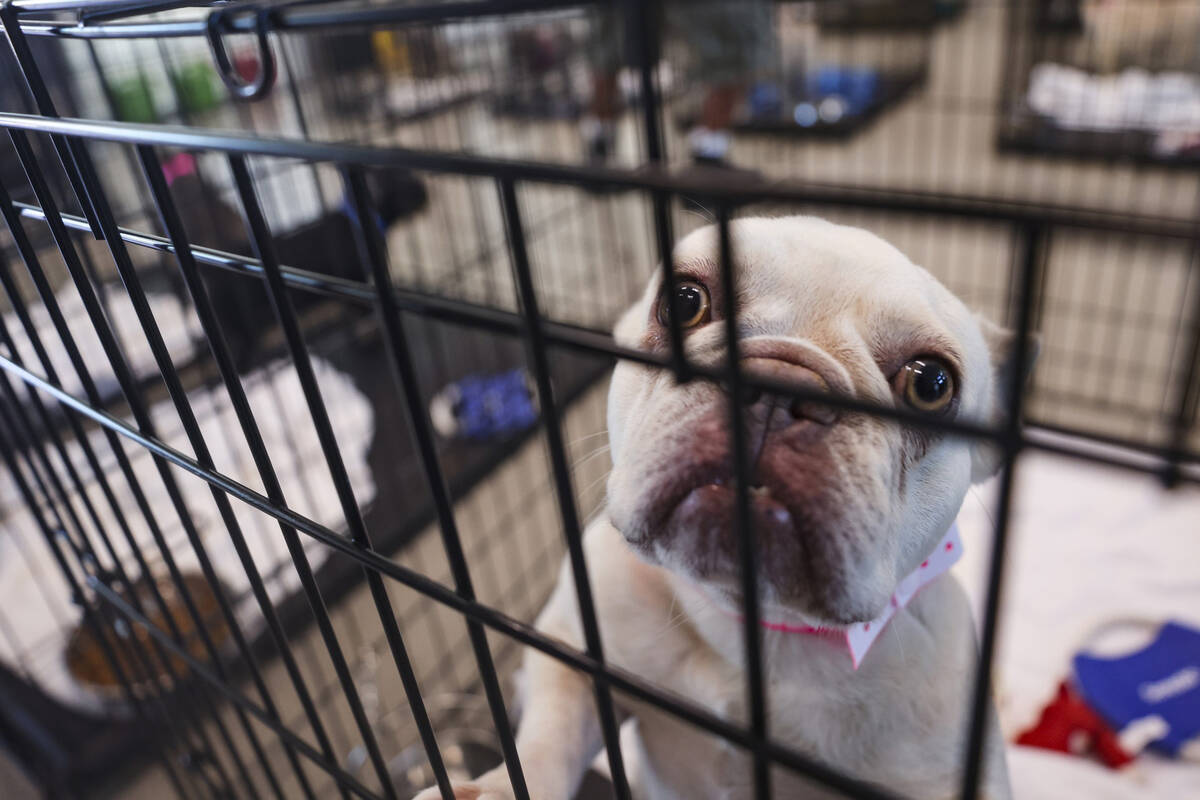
859, 637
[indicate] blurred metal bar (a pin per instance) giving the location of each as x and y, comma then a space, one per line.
70, 153
289, 16
1183, 416
50, 534
405, 375
140, 413
117, 568
734, 191
539, 357
646, 44
1032, 252
260, 237
373, 255
747, 540
25, 248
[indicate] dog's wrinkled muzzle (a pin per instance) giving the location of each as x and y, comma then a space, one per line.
704, 526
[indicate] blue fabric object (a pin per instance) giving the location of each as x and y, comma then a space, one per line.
765, 100
1162, 679
856, 86
493, 405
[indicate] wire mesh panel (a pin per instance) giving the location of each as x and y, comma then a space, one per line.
260, 263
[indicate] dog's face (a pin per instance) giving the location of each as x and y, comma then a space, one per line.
843, 504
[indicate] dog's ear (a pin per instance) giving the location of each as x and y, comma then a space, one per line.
1002, 351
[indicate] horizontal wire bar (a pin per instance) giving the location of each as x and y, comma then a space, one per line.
294, 16
520, 631
497, 320
731, 189
1148, 458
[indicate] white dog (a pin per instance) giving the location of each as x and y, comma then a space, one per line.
852, 514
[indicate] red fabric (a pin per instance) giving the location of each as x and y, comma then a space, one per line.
1067, 723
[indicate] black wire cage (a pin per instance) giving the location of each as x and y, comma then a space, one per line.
249, 245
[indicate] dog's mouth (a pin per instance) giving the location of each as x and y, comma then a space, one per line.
812, 502
699, 528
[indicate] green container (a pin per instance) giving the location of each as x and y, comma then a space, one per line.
197, 87
133, 99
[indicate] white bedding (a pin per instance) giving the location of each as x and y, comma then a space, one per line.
37, 618
1088, 545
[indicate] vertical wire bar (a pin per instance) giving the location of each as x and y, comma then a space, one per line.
1033, 247
260, 237
92, 394
191, 428
69, 152
86, 546
55, 482
562, 480
111, 102
12, 294
48, 423
666, 258
203, 455
49, 534
646, 50
23, 434
173, 224
301, 118
405, 375
164, 548
747, 540
141, 416
372, 252
57, 444
30, 259
1189, 383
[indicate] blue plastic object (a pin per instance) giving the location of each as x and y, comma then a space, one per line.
765, 100
856, 86
1162, 680
493, 405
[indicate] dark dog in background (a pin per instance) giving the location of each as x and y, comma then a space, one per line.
326, 245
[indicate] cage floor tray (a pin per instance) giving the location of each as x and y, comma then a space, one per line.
1040, 136
893, 89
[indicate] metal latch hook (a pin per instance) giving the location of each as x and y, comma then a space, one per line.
265, 79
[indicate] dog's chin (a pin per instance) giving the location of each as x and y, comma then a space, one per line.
778, 615
696, 538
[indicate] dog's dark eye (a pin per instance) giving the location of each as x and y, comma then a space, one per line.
926, 384
691, 305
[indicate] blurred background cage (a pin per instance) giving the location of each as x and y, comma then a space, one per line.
837, 66
928, 132
1100, 79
